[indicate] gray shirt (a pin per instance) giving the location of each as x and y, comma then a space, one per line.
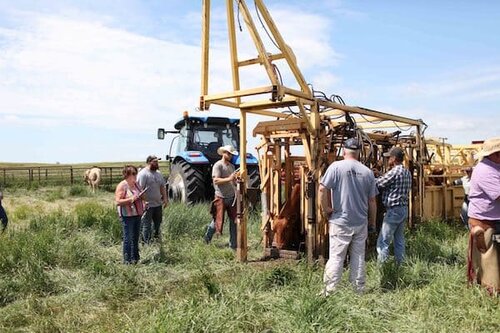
223, 170
352, 184
153, 181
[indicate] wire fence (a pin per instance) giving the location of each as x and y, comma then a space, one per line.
55, 175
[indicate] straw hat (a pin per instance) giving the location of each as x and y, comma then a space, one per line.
490, 146
230, 149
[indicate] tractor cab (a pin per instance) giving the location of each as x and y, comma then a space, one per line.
206, 135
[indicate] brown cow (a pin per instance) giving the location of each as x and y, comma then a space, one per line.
286, 227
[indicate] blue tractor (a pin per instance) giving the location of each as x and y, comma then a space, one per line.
193, 152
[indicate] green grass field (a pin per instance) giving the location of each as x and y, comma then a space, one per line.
61, 271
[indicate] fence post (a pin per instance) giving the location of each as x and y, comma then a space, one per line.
39, 179
29, 176
4, 179
71, 171
111, 175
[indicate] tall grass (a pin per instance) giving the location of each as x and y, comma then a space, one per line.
63, 272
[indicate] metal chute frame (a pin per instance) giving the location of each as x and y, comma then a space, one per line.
303, 117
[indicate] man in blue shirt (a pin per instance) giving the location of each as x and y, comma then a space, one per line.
347, 194
395, 186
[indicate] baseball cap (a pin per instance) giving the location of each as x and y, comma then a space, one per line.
352, 144
152, 158
397, 152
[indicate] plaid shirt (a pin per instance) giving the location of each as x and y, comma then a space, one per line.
395, 186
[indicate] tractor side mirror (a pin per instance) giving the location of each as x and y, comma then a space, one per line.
161, 133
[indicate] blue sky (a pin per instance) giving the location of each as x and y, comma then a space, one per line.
91, 81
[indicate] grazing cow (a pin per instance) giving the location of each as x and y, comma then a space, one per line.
93, 177
287, 229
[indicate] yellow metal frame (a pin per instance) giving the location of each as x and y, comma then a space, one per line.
306, 126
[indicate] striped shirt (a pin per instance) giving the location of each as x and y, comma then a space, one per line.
134, 209
395, 186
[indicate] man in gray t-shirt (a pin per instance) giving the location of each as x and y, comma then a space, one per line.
151, 180
347, 196
223, 177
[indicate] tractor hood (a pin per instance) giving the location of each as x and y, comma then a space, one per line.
251, 160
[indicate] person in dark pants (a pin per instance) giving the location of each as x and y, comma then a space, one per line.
130, 209
224, 177
152, 181
3, 214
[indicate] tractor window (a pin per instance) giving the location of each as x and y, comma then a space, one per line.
206, 136
229, 138
212, 138
182, 141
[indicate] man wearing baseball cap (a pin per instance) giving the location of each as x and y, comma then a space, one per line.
151, 180
347, 194
395, 186
484, 210
224, 177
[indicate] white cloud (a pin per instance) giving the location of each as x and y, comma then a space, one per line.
93, 74
463, 85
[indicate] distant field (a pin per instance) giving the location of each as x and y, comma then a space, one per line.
39, 174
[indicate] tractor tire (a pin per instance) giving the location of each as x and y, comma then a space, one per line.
253, 186
253, 176
186, 183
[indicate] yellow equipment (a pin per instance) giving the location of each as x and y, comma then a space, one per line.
304, 136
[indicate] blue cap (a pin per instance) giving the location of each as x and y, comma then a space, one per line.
352, 144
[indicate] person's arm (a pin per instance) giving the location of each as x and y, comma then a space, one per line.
164, 196
490, 186
120, 194
372, 212
141, 180
325, 200
386, 179
217, 179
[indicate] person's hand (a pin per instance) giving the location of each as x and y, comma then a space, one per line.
232, 177
134, 198
376, 172
165, 203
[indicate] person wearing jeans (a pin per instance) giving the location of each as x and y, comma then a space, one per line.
128, 198
395, 186
393, 228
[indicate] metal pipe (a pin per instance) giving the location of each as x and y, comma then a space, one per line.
311, 197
